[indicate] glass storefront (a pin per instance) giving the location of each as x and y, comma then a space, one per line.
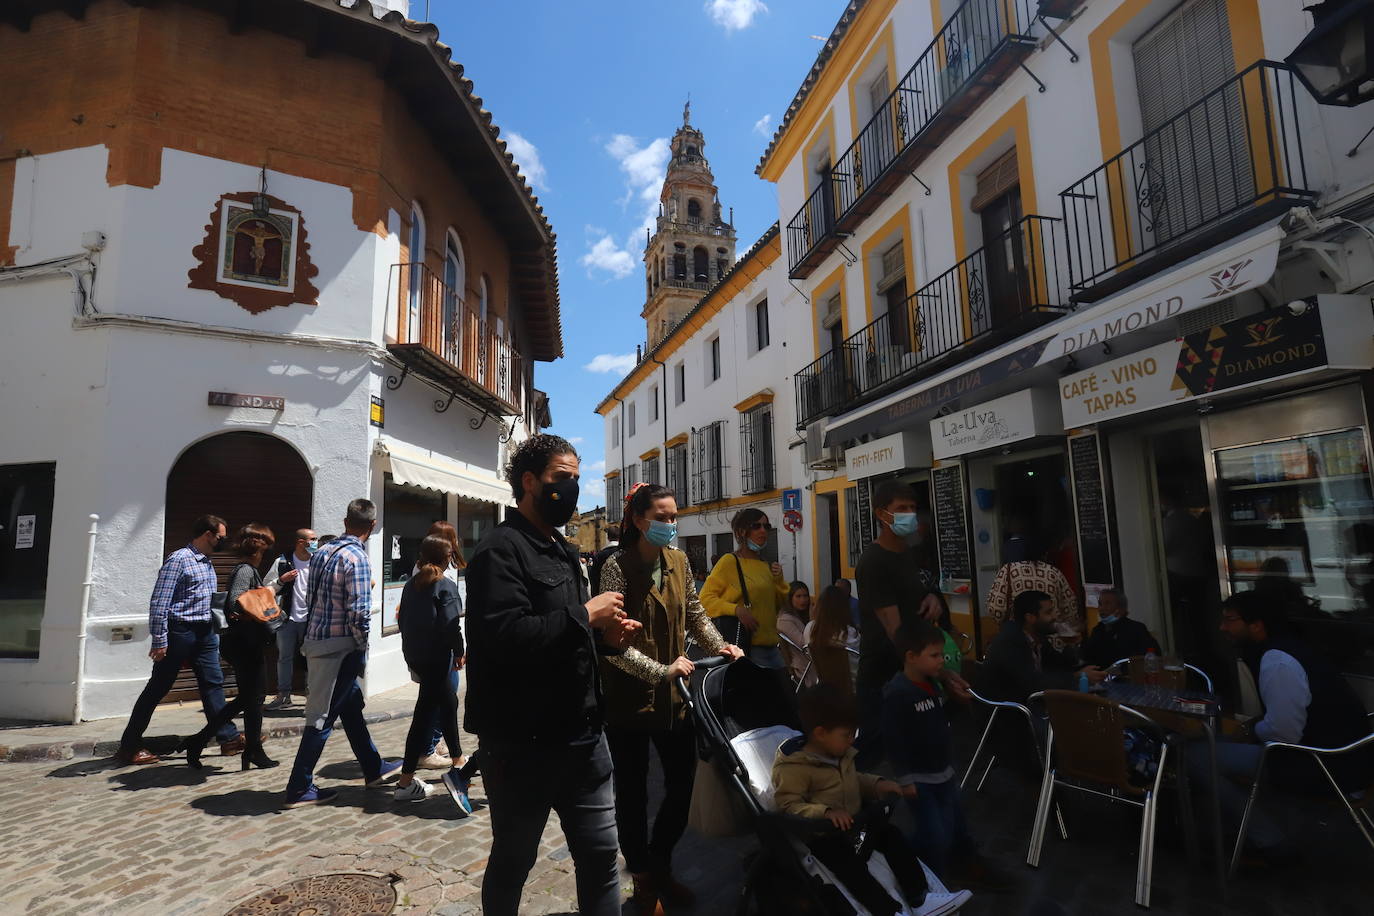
407, 513
1298, 520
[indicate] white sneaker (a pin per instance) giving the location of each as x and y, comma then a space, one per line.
435, 761
940, 904
281, 703
417, 791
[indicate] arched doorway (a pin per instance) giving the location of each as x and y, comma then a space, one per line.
242, 477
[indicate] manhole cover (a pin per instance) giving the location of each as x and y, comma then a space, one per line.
323, 895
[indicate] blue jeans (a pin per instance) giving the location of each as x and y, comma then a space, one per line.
767, 657
1235, 760
289, 639
456, 750
941, 834
197, 641
346, 705
524, 782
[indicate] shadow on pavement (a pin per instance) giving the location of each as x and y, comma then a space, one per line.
161, 777
86, 768
241, 803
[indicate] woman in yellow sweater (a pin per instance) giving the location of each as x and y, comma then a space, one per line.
758, 612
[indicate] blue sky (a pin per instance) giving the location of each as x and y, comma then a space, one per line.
588, 94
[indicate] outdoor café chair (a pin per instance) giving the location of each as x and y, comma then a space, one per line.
1014, 710
1085, 750
1359, 807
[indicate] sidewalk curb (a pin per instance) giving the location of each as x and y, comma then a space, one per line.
77, 748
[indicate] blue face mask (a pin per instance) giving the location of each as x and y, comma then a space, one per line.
1109, 620
755, 546
312, 546
661, 534
904, 523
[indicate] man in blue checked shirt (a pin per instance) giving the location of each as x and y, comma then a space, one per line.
336, 631
182, 628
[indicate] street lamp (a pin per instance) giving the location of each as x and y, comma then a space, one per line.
262, 206
1334, 60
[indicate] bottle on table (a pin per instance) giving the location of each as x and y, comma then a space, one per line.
1152, 668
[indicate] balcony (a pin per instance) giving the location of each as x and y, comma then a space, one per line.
441, 340
696, 225
977, 47
1229, 162
1015, 282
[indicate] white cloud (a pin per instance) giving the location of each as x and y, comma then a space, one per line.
592, 488
620, 364
644, 168
527, 157
764, 126
733, 15
575, 440
606, 256
594, 468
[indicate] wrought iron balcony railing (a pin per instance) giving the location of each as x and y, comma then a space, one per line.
1016, 280
978, 45
1226, 163
439, 337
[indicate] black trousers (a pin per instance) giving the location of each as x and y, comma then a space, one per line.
630, 754
246, 651
837, 852
435, 703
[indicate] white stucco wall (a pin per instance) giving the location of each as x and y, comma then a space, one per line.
114, 401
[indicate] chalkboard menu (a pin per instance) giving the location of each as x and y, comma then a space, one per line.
1090, 508
864, 497
951, 521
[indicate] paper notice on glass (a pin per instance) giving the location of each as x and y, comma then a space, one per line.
24, 531
395, 547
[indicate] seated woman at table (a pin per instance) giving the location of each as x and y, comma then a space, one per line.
1306, 701
1116, 635
1021, 660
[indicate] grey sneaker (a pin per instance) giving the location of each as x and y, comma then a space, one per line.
417, 791
281, 703
435, 761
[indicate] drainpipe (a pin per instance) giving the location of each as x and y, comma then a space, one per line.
78, 707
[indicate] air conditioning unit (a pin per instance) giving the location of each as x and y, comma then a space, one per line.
820, 457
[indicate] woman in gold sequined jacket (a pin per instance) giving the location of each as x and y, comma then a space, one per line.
642, 707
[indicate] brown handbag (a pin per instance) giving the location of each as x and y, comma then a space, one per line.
260, 605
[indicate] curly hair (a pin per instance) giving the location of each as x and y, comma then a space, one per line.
253, 537
534, 455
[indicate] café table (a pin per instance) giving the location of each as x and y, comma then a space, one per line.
1196, 705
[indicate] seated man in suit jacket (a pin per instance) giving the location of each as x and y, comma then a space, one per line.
1116, 635
1020, 658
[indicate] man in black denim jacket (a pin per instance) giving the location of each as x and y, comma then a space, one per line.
534, 693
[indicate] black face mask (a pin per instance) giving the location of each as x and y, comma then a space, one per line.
1045, 628
558, 501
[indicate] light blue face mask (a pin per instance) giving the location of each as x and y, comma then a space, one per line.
312, 546
755, 546
1109, 620
661, 534
904, 524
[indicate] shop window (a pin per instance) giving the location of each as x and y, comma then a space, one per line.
407, 513
695, 548
26, 498
722, 544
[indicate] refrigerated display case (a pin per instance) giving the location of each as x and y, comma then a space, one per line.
1297, 519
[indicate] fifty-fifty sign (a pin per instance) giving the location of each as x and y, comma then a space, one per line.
896, 452
258, 401
1018, 416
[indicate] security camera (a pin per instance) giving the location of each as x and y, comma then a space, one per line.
1297, 307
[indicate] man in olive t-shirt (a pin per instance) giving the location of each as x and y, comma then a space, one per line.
891, 593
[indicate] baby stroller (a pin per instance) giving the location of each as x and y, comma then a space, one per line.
742, 714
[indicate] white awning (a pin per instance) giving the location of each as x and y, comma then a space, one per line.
420, 468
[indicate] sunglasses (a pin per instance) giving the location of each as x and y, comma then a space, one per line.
761, 526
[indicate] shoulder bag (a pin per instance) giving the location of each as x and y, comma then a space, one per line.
731, 628
260, 605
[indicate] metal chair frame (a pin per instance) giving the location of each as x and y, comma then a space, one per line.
1362, 817
1124, 664
1148, 803
997, 706
806, 653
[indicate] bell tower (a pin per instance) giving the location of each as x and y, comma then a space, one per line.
692, 247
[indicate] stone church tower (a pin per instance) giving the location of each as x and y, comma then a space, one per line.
692, 247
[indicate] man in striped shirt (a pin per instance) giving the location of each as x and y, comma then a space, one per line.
181, 627
336, 633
